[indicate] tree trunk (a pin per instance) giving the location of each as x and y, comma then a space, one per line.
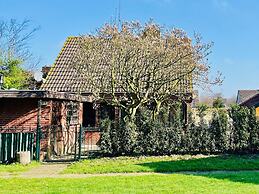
157, 109
132, 113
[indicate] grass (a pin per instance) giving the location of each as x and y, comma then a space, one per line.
175, 183
16, 168
175, 163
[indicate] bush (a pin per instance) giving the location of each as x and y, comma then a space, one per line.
240, 128
128, 137
218, 140
253, 131
106, 139
236, 130
218, 103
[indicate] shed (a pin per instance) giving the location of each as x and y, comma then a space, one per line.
57, 114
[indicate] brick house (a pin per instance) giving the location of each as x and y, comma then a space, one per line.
62, 77
60, 88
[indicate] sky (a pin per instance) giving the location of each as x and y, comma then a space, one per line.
231, 24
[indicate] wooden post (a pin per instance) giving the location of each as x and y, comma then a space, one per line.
80, 142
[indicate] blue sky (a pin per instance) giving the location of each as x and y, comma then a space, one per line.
231, 24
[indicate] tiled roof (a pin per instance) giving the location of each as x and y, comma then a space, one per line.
244, 95
64, 78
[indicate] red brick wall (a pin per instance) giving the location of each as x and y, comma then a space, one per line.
92, 137
17, 115
20, 115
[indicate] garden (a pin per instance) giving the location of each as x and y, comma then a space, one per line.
162, 155
156, 145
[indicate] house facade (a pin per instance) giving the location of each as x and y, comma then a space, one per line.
63, 77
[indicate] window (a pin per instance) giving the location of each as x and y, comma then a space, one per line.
72, 113
93, 116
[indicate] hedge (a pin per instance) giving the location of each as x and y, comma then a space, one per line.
230, 131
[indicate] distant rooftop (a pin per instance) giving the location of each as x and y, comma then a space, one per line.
244, 95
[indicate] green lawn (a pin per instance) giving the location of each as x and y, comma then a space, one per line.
175, 183
165, 164
16, 168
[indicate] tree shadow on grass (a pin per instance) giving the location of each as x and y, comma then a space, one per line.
226, 165
242, 177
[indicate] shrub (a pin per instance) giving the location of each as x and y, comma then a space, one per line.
106, 139
218, 140
240, 128
235, 130
218, 103
253, 131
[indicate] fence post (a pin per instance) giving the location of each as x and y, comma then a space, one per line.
38, 132
75, 157
80, 142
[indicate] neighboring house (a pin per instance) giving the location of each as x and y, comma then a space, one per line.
249, 98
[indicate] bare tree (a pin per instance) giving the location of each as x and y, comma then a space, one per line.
141, 64
14, 40
16, 60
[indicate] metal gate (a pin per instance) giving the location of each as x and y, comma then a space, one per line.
73, 144
63, 143
11, 143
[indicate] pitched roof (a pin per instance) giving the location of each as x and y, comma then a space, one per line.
244, 95
64, 78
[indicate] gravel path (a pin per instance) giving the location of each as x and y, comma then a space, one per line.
54, 171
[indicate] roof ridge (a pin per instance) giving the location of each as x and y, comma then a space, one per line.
249, 90
72, 37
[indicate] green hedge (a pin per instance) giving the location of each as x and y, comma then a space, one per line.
230, 131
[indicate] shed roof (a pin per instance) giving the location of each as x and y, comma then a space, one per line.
41, 94
252, 102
